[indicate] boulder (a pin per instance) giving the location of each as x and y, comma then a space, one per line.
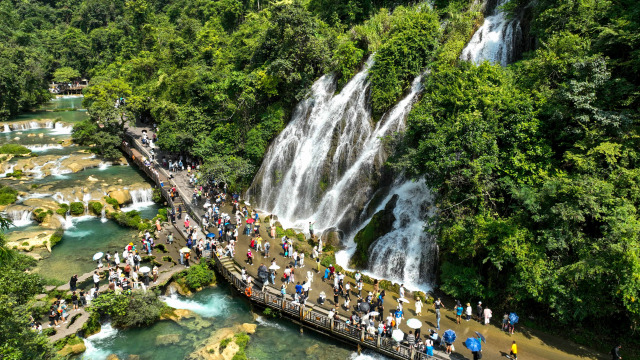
113, 357
178, 314
71, 350
167, 339
121, 196
92, 179
249, 328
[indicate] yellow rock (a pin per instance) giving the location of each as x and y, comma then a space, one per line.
249, 328
74, 349
121, 196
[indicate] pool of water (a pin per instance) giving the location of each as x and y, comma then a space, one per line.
218, 307
74, 253
64, 102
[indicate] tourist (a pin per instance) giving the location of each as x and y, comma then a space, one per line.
437, 305
116, 259
283, 291
74, 300
186, 259
301, 258
505, 322
479, 311
468, 312
514, 351
314, 252
411, 339
311, 229
154, 271
487, 315
418, 307
82, 299
399, 315
72, 282
459, 310
336, 294
615, 352
249, 256
326, 274
306, 286
96, 280
477, 355
401, 291
170, 238
429, 347
360, 285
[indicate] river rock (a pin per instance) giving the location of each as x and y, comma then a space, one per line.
24, 240
70, 350
178, 314
16, 138
311, 349
133, 357
113, 357
211, 349
168, 339
31, 135
121, 196
41, 135
249, 328
92, 179
43, 203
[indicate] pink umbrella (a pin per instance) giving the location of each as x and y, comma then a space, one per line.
250, 221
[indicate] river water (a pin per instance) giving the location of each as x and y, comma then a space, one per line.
84, 235
216, 308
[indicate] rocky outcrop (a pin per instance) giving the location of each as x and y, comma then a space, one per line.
167, 339
122, 196
26, 240
381, 223
223, 344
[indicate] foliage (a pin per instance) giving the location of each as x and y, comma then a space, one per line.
56, 237
14, 149
76, 208
62, 209
133, 220
196, 277
95, 207
65, 74
40, 214
15, 174
157, 195
113, 202
8, 195
126, 311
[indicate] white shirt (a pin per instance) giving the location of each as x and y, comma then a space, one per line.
96, 278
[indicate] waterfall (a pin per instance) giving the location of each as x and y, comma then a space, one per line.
44, 147
325, 164
95, 343
67, 222
213, 305
60, 128
103, 216
20, 217
8, 170
496, 40
7, 128
388, 255
140, 198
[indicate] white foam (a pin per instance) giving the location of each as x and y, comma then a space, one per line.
93, 343
214, 305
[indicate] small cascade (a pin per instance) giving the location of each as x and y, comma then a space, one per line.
95, 343
325, 164
20, 217
406, 254
140, 198
103, 216
85, 200
60, 128
44, 147
496, 40
103, 166
9, 170
56, 171
67, 221
213, 306
6, 128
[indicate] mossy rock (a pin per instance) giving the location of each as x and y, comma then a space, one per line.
290, 233
381, 223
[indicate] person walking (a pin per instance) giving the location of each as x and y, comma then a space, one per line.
615, 352
487, 315
459, 310
437, 305
72, 282
399, 315
514, 350
418, 307
479, 311
96, 280
468, 310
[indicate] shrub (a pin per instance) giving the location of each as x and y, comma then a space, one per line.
224, 343
130, 219
14, 149
56, 237
113, 202
62, 209
15, 174
196, 276
92, 325
161, 248
168, 259
157, 195
125, 311
76, 208
40, 215
8, 195
95, 207
49, 331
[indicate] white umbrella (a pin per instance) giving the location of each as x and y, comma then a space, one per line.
274, 267
185, 250
414, 323
145, 269
98, 256
397, 335
403, 300
374, 313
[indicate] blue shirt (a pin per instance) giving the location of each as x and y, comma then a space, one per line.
398, 314
459, 310
298, 289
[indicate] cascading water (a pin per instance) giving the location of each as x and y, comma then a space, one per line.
43, 147
103, 216
140, 198
406, 254
7, 128
496, 40
60, 128
325, 164
20, 217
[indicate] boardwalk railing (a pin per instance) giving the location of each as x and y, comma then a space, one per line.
315, 318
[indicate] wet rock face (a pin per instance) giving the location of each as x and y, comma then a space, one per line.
381, 223
121, 196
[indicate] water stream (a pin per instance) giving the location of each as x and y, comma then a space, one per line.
496, 40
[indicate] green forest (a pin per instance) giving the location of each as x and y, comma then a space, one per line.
534, 165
